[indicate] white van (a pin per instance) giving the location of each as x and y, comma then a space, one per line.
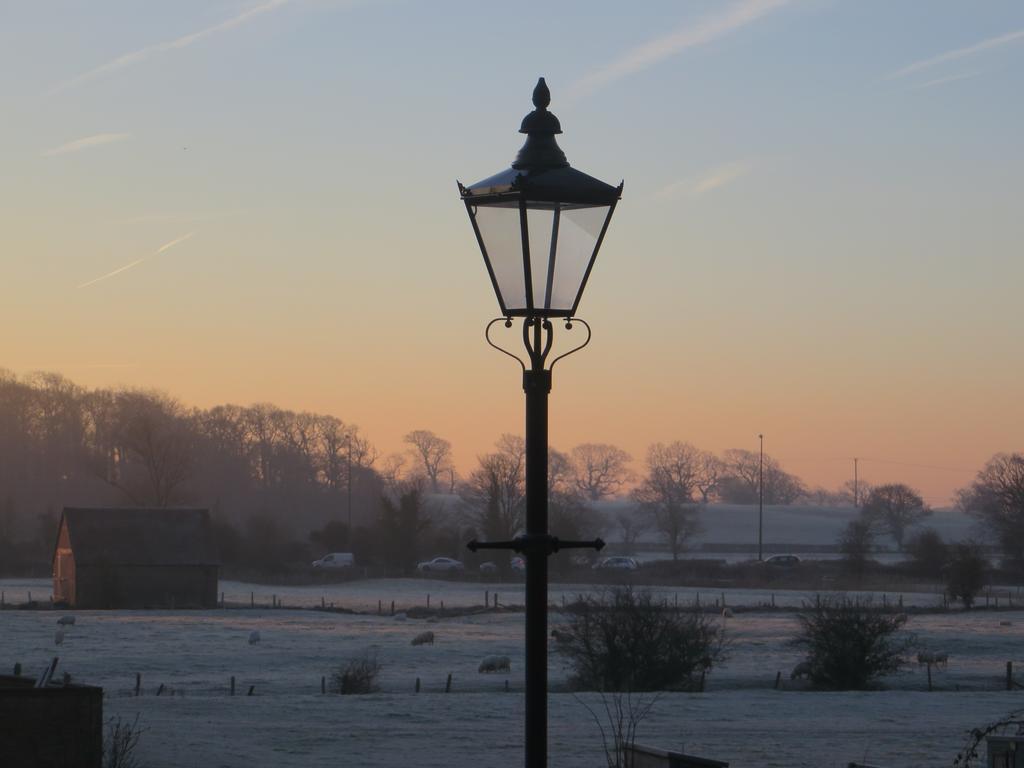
336, 560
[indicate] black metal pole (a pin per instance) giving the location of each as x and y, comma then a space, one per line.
537, 384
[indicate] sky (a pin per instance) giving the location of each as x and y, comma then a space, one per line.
246, 201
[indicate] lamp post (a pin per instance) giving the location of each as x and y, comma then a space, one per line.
539, 226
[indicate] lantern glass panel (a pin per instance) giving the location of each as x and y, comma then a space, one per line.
578, 231
502, 236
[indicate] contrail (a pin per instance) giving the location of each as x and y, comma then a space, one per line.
959, 53
181, 42
126, 267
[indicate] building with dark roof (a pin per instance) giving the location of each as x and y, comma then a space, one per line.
135, 558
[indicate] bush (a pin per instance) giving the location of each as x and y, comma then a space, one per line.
119, 746
622, 640
965, 574
855, 543
358, 676
849, 643
928, 554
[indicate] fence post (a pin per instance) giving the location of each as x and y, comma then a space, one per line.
417, 685
428, 601
1009, 675
778, 679
392, 607
232, 685
448, 684
138, 682
252, 599
323, 684
251, 689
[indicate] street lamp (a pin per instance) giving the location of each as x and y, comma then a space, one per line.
539, 225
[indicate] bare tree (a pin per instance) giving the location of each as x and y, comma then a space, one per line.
996, 499
493, 494
600, 470
743, 473
154, 457
666, 492
709, 475
433, 453
893, 508
630, 523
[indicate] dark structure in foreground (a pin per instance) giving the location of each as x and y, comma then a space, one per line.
135, 558
55, 726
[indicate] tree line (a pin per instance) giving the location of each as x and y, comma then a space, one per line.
283, 484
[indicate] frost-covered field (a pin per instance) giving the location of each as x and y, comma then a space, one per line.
288, 723
367, 594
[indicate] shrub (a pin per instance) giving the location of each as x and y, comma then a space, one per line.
622, 640
850, 643
965, 574
855, 543
928, 553
119, 746
358, 676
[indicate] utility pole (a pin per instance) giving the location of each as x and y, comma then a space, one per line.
856, 488
760, 502
348, 455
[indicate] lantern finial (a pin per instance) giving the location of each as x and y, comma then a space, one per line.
541, 95
540, 152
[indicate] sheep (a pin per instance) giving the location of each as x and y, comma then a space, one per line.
65, 621
803, 669
424, 638
58, 638
401, 616
254, 637
561, 637
727, 613
495, 664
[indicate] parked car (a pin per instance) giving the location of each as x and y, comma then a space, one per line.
336, 560
518, 564
617, 563
782, 561
448, 564
488, 567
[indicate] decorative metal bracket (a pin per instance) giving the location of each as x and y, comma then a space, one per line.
538, 336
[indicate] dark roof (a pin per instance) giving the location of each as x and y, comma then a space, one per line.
133, 536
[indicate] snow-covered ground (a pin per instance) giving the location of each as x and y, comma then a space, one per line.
368, 594
288, 723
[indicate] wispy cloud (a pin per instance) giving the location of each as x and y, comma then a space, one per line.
86, 143
705, 31
958, 53
944, 80
181, 42
126, 267
716, 178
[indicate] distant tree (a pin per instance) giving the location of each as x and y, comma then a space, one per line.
929, 554
996, 499
630, 523
600, 470
624, 640
892, 508
855, 543
966, 572
392, 471
493, 494
154, 459
850, 643
569, 513
401, 526
710, 471
433, 453
333, 537
739, 483
665, 494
